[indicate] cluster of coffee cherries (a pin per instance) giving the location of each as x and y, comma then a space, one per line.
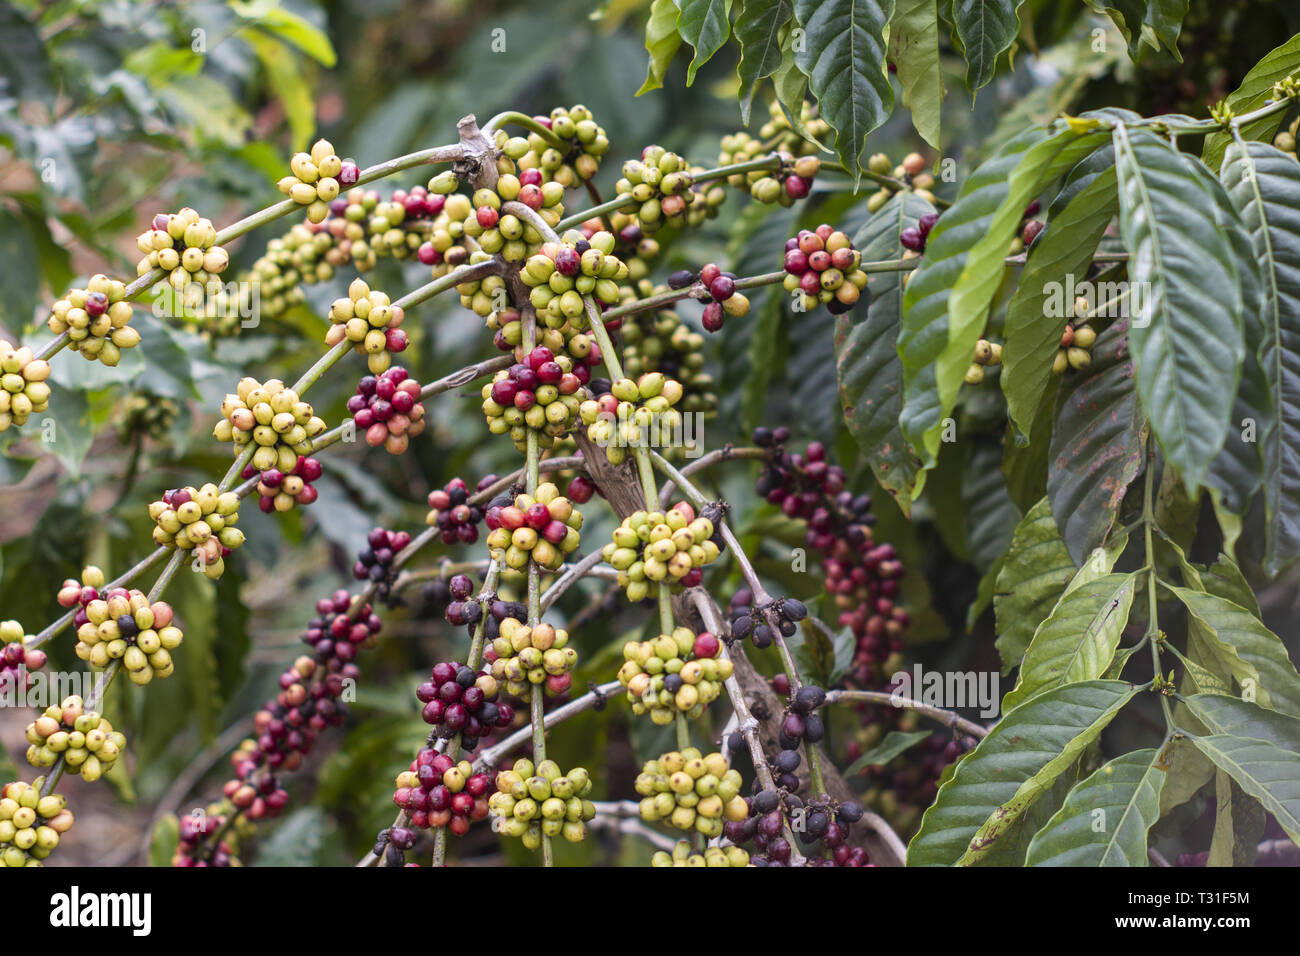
368, 319
483, 296
396, 226
987, 355
1285, 140
387, 408
790, 182
542, 393
452, 514
123, 625
145, 414
30, 824
690, 790
317, 177
1076, 341
95, 319
272, 418
535, 801
678, 672
584, 142
683, 854
662, 342
192, 849
634, 414
902, 790
500, 232
861, 575
757, 621
913, 238
286, 728
17, 660
279, 492
459, 700
83, 739
819, 825
202, 520
722, 300
182, 244
445, 248
823, 265
661, 183
22, 385
461, 609
651, 547
543, 527
335, 636
437, 791
375, 561
911, 173
563, 272
522, 656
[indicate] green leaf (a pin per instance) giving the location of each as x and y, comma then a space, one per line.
1239, 823
1256, 87
1238, 471
1264, 184
791, 87
986, 28
1035, 572
24, 62
295, 840
705, 25
866, 353
1224, 578
914, 50
1156, 23
1244, 648
1105, 819
165, 839
983, 270
290, 87
1183, 270
759, 31
1269, 774
925, 330
1011, 768
193, 596
18, 292
1042, 304
895, 743
65, 427
1098, 443
661, 42
843, 56
1222, 714
990, 514
1078, 642
289, 27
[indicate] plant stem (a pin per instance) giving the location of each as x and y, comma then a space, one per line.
948, 718
1153, 622
527, 122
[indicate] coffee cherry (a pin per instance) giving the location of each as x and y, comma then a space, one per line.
543, 391
662, 342
823, 267
532, 801
201, 520
663, 186
182, 244
678, 672
653, 547
522, 656
30, 824
85, 741
542, 528
691, 791
95, 319
369, 320
1032, 228
123, 625
273, 419
436, 792
17, 660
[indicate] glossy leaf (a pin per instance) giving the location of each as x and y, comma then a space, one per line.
914, 50
661, 42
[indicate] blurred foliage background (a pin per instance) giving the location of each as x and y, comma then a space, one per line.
112, 111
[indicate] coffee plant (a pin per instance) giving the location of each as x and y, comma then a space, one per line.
807, 489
